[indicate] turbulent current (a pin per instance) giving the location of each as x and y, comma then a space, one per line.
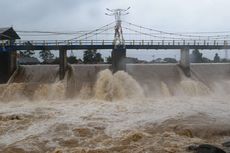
148, 109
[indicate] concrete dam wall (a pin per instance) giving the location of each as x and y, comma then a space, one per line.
156, 80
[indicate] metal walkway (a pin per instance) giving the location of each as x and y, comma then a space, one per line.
108, 44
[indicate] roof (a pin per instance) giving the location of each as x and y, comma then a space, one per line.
8, 33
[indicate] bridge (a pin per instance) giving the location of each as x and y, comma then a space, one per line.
108, 44
111, 37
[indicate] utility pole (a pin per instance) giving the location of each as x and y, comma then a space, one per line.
119, 51
117, 13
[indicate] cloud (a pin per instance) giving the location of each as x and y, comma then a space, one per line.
74, 15
173, 15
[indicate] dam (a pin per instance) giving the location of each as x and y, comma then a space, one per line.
116, 107
150, 107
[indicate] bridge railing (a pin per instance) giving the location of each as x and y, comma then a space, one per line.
110, 42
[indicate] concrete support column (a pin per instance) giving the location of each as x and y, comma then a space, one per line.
12, 62
185, 61
118, 59
62, 63
7, 65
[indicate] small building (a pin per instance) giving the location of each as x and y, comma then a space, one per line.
7, 58
8, 34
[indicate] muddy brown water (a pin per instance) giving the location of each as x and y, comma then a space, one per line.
151, 109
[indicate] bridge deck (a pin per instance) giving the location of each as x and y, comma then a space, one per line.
102, 44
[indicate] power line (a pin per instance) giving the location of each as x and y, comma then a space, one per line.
52, 32
89, 36
176, 34
88, 33
148, 34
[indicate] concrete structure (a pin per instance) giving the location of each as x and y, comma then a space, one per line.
62, 63
118, 59
8, 57
185, 61
118, 52
7, 65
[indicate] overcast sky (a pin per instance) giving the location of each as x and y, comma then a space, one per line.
75, 15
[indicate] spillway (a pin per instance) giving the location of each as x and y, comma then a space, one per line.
149, 108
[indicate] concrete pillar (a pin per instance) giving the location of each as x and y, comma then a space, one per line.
118, 59
62, 63
7, 65
185, 61
12, 62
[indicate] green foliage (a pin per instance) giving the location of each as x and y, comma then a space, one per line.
109, 60
56, 60
216, 58
197, 56
27, 53
206, 60
72, 60
225, 60
92, 57
46, 55
170, 60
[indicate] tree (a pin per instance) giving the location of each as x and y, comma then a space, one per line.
88, 56
196, 56
216, 58
28, 52
92, 57
46, 55
170, 60
206, 60
109, 60
72, 59
225, 60
98, 58
56, 60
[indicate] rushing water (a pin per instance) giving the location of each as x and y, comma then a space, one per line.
152, 108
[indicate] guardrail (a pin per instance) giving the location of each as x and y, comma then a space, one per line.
110, 42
